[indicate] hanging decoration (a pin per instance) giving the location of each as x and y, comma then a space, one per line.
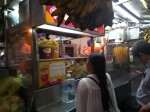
83, 14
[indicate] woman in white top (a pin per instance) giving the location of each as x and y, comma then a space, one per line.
95, 93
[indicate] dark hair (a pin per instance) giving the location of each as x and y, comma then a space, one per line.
141, 46
97, 60
89, 42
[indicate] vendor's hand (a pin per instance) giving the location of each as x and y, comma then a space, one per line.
145, 108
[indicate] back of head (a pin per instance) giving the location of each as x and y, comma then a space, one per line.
141, 46
98, 62
89, 42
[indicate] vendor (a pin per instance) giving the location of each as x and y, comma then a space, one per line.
24, 46
87, 50
24, 67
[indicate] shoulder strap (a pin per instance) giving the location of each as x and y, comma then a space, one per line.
99, 87
94, 80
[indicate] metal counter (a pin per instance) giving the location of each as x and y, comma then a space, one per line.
58, 107
120, 82
123, 79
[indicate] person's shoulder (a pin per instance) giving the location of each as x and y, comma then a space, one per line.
109, 81
108, 76
83, 80
83, 84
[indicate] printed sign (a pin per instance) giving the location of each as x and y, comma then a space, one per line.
51, 73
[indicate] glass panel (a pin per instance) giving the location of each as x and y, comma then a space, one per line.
18, 12
19, 49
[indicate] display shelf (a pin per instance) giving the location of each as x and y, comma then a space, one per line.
64, 30
70, 58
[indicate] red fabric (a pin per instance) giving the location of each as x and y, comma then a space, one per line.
25, 48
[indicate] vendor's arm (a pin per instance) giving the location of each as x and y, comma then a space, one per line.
102, 46
105, 43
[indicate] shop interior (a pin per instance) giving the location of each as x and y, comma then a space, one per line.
38, 54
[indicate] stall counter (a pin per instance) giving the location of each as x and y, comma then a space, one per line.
119, 81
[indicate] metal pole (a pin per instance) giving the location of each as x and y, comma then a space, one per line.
92, 44
5, 33
35, 58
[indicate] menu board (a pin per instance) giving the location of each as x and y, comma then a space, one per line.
51, 73
57, 69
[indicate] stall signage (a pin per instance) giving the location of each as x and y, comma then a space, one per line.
51, 73
50, 19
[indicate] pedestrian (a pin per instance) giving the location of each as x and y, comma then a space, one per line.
95, 93
141, 53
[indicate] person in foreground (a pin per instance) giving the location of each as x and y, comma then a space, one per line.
141, 52
95, 93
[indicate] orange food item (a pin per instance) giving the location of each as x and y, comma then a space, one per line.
87, 50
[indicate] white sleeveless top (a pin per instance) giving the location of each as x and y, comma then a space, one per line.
89, 96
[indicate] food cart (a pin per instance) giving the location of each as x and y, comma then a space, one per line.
36, 57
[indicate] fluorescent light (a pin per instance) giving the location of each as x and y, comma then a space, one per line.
146, 21
132, 9
144, 3
15, 12
62, 39
2, 53
121, 2
125, 13
64, 30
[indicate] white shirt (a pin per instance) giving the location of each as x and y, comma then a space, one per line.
89, 96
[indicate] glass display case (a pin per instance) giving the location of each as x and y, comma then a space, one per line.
19, 49
117, 56
18, 56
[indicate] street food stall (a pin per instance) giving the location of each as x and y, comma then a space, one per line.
43, 54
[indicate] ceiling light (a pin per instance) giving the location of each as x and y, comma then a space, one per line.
64, 30
144, 3
2, 53
125, 13
146, 21
146, 16
121, 2
132, 9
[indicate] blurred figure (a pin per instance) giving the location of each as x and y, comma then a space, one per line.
24, 66
87, 50
24, 47
141, 52
95, 93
